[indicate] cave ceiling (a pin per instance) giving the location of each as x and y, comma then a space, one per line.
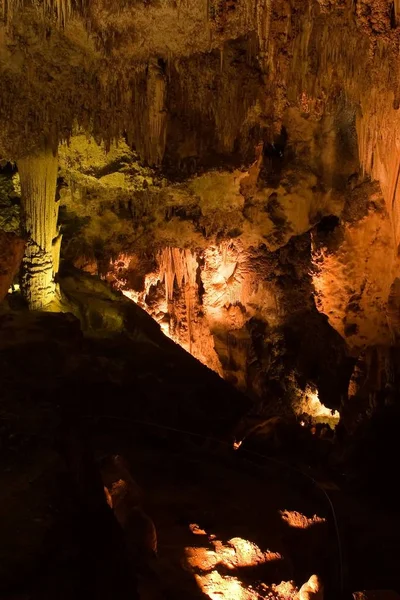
232, 65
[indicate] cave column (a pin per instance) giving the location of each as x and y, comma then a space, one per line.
39, 215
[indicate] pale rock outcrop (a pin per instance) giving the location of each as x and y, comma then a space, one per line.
312, 590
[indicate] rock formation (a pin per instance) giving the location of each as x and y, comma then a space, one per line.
292, 105
230, 165
39, 215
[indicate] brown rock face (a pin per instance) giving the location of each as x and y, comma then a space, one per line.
354, 269
11, 253
238, 207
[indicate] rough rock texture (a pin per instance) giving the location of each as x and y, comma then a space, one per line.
355, 266
238, 207
221, 261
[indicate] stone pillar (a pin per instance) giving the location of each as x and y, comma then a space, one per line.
39, 214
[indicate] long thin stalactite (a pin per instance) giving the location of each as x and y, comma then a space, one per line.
61, 10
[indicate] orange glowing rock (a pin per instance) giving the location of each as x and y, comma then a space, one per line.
313, 589
310, 404
235, 554
300, 521
201, 559
217, 587
196, 530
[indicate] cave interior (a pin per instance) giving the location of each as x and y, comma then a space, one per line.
199, 299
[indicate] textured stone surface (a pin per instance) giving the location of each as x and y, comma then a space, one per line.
221, 261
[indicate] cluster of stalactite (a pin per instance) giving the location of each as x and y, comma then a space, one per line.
136, 100
148, 129
205, 292
179, 266
62, 10
115, 99
264, 14
329, 60
353, 69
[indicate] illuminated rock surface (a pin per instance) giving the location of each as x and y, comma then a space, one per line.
39, 216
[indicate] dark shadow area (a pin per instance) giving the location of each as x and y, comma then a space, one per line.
134, 391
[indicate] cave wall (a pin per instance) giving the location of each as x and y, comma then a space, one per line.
248, 136
222, 261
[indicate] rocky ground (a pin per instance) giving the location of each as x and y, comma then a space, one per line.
228, 522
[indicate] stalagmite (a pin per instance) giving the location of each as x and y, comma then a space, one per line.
38, 175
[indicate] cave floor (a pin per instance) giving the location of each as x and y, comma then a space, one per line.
116, 385
219, 523
218, 514
201, 500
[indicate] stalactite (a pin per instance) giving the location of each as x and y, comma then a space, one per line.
9, 7
263, 17
252, 48
39, 214
156, 92
56, 253
180, 266
396, 6
145, 94
61, 9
